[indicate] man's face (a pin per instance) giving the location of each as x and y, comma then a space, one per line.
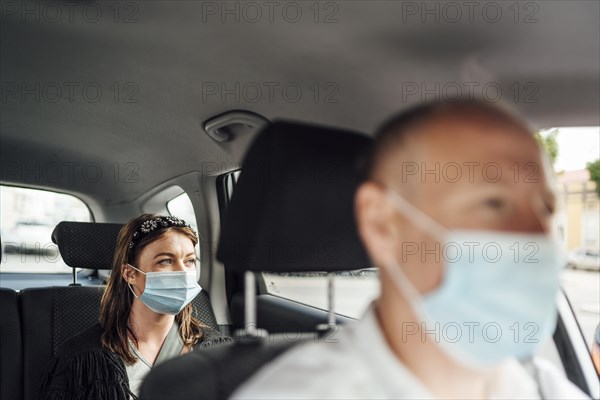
464, 175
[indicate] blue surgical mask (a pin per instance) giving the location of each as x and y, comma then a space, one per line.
168, 292
497, 299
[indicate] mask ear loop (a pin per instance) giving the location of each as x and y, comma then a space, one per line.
395, 271
404, 285
399, 278
417, 217
129, 284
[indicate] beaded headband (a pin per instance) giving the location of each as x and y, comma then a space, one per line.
154, 224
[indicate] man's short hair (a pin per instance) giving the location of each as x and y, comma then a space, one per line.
393, 131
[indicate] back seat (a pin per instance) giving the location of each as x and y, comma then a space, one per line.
11, 360
37, 322
51, 316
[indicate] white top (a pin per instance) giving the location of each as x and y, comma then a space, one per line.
136, 372
362, 366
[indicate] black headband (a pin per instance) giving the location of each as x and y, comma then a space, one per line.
154, 224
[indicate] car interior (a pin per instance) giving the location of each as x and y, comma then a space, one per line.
259, 118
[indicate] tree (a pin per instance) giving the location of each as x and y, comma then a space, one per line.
594, 169
548, 141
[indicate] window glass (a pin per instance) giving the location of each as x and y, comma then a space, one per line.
181, 207
578, 220
353, 291
28, 217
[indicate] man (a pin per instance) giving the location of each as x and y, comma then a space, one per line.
456, 213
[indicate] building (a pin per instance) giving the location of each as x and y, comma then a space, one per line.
578, 218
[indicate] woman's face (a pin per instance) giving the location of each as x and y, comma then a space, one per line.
173, 251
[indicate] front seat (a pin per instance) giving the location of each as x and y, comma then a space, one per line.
296, 187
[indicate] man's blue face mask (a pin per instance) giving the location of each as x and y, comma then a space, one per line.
497, 299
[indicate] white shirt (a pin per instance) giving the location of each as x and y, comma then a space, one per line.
362, 366
136, 372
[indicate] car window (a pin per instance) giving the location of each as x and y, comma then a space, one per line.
28, 219
353, 290
181, 206
578, 220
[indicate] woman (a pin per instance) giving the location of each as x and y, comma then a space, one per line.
145, 315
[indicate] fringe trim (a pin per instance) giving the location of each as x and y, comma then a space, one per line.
213, 338
88, 375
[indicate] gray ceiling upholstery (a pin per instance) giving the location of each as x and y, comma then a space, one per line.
363, 64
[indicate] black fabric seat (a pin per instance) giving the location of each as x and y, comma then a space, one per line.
52, 315
209, 373
11, 359
295, 193
292, 208
86, 244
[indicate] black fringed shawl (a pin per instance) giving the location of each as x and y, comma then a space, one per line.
86, 371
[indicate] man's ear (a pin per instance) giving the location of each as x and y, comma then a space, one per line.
128, 273
376, 218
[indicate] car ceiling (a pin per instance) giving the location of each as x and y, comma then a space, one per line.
366, 59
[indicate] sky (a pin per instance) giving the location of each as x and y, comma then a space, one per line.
577, 147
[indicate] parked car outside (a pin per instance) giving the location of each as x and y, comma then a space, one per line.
584, 259
29, 236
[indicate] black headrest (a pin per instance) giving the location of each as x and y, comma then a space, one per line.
86, 244
292, 207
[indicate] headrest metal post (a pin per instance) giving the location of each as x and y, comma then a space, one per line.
74, 272
330, 299
250, 303
331, 324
